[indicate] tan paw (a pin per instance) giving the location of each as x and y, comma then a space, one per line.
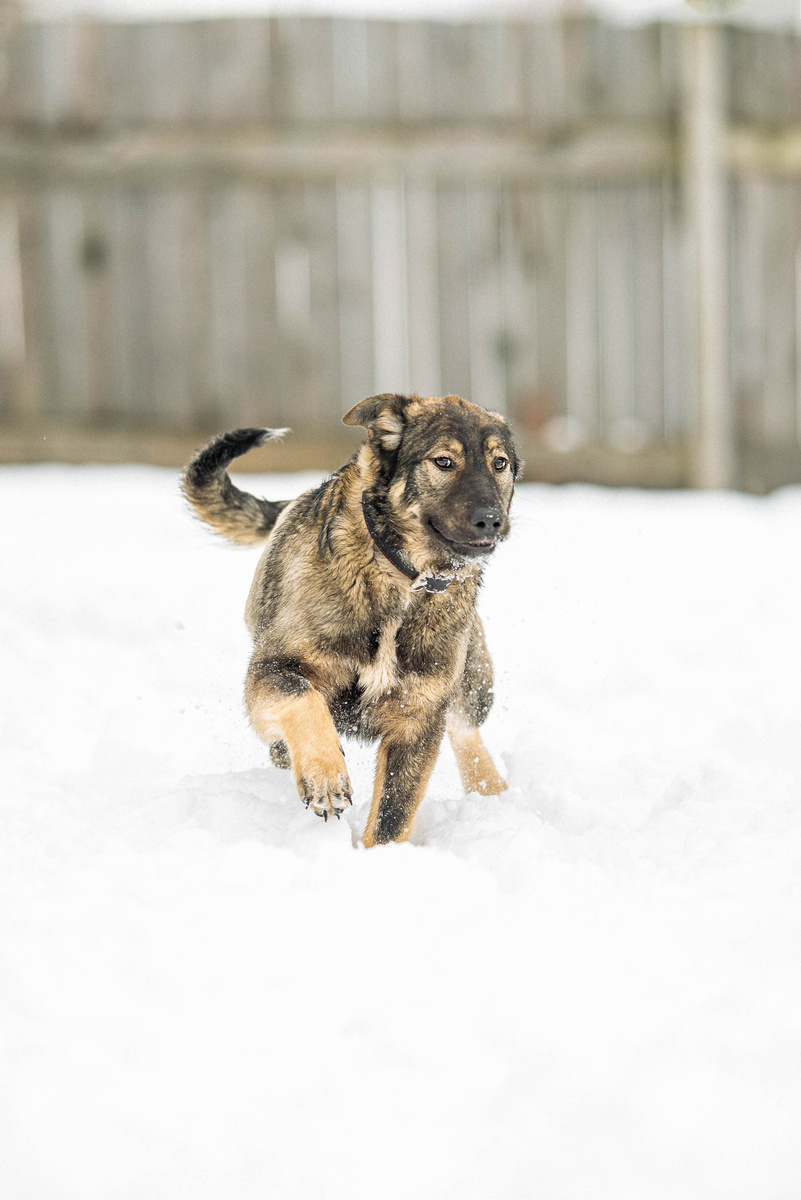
327, 793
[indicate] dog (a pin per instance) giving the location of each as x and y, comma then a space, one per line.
363, 606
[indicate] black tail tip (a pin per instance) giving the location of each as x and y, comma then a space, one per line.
223, 449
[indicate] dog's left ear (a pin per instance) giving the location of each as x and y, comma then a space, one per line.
382, 416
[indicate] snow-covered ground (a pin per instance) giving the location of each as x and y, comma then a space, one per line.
586, 989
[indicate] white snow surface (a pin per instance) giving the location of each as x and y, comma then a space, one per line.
589, 987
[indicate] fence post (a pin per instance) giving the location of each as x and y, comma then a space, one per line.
707, 214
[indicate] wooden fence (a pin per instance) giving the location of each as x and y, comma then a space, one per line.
206, 224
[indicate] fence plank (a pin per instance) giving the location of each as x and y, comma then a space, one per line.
390, 305
487, 357
780, 318
616, 315
234, 59
551, 300
65, 236
679, 383
422, 288
520, 307
301, 69
582, 403
454, 290
258, 232
647, 227
131, 365
355, 255
12, 327
748, 307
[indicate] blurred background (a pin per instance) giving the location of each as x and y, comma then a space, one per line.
225, 212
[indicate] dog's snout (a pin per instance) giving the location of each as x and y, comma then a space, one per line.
486, 518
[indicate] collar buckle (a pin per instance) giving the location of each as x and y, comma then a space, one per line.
431, 583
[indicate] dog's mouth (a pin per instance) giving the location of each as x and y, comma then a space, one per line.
468, 549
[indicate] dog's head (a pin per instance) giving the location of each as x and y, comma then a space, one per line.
442, 471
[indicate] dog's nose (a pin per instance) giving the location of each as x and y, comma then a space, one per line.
486, 518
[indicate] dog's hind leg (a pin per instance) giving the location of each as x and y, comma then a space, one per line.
470, 709
293, 717
478, 771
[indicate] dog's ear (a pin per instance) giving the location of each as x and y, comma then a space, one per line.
383, 418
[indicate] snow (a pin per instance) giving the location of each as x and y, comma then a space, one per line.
781, 13
588, 987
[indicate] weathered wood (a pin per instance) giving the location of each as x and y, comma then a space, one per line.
520, 299
649, 319
662, 466
157, 156
264, 219
390, 305
453, 224
582, 401
487, 351
781, 228
355, 270
616, 316
679, 381
548, 230
422, 288
707, 216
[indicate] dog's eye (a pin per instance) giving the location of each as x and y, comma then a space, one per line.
443, 463
500, 464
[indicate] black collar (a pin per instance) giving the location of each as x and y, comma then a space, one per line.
426, 583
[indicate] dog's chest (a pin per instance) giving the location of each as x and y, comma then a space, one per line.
377, 677
423, 640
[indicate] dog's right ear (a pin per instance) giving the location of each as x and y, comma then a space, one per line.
383, 418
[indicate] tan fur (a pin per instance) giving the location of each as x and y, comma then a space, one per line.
342, 642
476, 768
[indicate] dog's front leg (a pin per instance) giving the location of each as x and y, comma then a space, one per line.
406, 758
283, 706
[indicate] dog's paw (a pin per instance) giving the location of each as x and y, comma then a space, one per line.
327, 797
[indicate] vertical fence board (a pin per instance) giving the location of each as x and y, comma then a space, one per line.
131, 367
748, 306
551, 299
39, 347
227, 302
520, 306
12, 327
390, 308
454, 289
615, 289
258, 233
167, 273
95, 250
234, 62
679, 390
422, 288
301, 68
581, 284
487, 357
355, 254
647, 228
65, 236
780, 367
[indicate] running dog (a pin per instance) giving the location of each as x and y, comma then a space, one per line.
363, 606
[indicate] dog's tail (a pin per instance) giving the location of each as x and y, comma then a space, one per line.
217, 501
